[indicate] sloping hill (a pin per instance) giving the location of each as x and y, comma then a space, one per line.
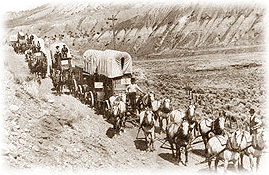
144, 29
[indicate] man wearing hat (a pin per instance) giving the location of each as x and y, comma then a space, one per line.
255, 122
64, 51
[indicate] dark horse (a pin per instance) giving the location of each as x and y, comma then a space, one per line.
144, 101
208, 127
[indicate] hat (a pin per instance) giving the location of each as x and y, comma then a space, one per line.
251, 111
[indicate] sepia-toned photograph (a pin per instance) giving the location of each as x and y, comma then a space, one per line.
134, 87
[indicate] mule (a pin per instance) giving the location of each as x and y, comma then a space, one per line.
147, 123
240, 141
171, 131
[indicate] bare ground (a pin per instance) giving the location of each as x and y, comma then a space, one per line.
59, 133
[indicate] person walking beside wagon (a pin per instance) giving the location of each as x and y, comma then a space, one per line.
131, 93
255, 126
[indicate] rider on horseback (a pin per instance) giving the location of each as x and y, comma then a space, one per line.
131, 93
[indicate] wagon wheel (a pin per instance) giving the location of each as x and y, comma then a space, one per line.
80, 92
75, 87
91, 99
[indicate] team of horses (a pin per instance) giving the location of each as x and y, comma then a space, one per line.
182, 128
37, 63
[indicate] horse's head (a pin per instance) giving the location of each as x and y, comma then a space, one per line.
166, 103
115, 108
123, 98
149, 117
185, 127
191, 110
220, 122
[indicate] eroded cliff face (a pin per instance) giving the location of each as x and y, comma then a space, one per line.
145, 29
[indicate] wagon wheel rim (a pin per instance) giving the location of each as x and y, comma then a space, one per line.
107, 107
75, 85
80, 89
92, 98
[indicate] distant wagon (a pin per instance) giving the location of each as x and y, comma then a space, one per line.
109, 73
13, 40
19, 42
60, 62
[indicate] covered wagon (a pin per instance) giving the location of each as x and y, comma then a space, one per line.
61, 61
109, 72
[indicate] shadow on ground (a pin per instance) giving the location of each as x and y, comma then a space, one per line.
110, 132
168, 157
141, 144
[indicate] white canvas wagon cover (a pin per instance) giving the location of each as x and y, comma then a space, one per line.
91, 60
110, 63
13, 38
115, 64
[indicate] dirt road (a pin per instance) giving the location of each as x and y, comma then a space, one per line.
59, 133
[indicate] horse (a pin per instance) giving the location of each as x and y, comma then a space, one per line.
240, 141
179, 134
118, 111
144, 101
147, 123
183, 139
161, 110
58, 82
224, 147
208, 127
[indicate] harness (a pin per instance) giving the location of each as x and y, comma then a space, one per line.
146, 122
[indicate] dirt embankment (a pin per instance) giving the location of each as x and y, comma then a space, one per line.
59, 133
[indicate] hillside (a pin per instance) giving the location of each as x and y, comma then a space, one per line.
145, 29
